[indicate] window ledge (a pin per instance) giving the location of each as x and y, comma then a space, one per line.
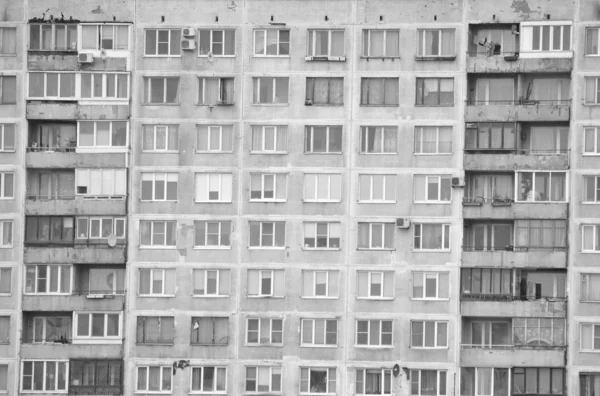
435, 58
160, 152
96, 341
431, 348
282, 248
161, 104
209, 345
430, 154
376, 250
318, 346
156, 295
7, 56
324, 298
213, 152
154, 343
429, 299
434, 202
248, 344
324, 153
323, 105
377, 202
376, 298
161, 56
268, 153
217, 56
376, 154
320, 202
271, 57
380, 57
210, 297
541, 202
142, 247
212, 247
431, 250
374, 346
321, 249
266, 297
268, 200
438, 105
379, 105
324, 58
213, 202
270, 104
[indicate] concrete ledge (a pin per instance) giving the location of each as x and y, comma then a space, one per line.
510, 259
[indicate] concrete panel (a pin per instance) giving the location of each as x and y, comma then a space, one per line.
72, 111
518, 113
537, 308
45, 60
514, 161
85, 10
98, 254
517, 211
56, 159
77, 206
519, 10
72, 303
499, 64
513, 357
509, 259
68, 351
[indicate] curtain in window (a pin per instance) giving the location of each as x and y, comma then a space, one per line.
550, 89
337, 43
154, 379
431, 236
432, 42
428, 382
9, 40
321, 91
392, 43
227, 90
447, 43
467, 381
502, 187
205, 331
372, 91
558, 187
592, 290
376, 43
391, 91
500, 382
429, 136
591, 95
363, 235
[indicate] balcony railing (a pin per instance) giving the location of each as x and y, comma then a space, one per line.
479, 201
518, 151
47, 341
512, 346
472, 248
491, 53
105, 293
94, 390
48, 149
507, 297
519, 102
50, 197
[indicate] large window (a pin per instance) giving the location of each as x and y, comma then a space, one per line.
8, 90
542, 186
266, 283
541, 332
318, 332
47, 37
592, 90
5, 280
210, 330
271, 42
380, 43
44, 376
263, 379
212, 234
320, 284
325, 43
433, 188
591, 189
317, 380
430, 285
160, 138
432, 236
163, 42
96, 326
428, 334
375, 285
433, 140
96, 376
100, 227
590, 288
376, 236
379, 91
47, 329
51, 85
322, 187
374, 332
378, 140
540, 233
590, 236
429, 383
156, 282
211, 282
45, 229
268, 187
6, 233
376, 188
48, 279
591, 41
589, 384
323, 91
214, 138
435, 92
538, 381
484, 381
161, 90
487, 334
209, 379
490, 136
322, 235
102, 134
7, 138
157, 233
373, 381
270, 90
8, 41
215, 91
7, 185
108, 86
544, 140
101, 182
591, 145
264, 331
267, 234
435, 43
104, 37
543, 37
269, 139
159, 186
105, 281
216, 42
479, 283
155, 330
155, 379
493, 91
488, 236
323, 139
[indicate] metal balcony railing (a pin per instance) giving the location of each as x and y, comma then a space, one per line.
51, 149
520, 102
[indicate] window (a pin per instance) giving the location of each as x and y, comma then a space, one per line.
266, 283
591, 144
320, 284
155, 330
160, 138
48, 230
6, 233
211, 282
487, 334
542, 186
267, 234
428, 382
209, 379
7, 185
271, 187
325, 43
538, 381
428, 334
159, 186
589, 384
269, 139
261, 379
163, 42
435, 43
539, 332
4, 329
592, 90
8, 89
105, 36
323, 139
104, 86
216, 42
432, 237
264, 331
3, 377
591, 189
44, 376
482, 381
376, 236
270, 90
545, 37
157, 233
96, 376
591, 43
47, 329
379, 43
322, 187
493, 91
97, 326
7, 138
161, 90
209, 330
215, 91
154, 379
379, 92
51, 85
100, 134
433, 188
101, 182
214, 138
5, 280
157, 282
590, 287
374, 332
435, 92
433, 140
323, 91
100, 227
45, 37
544, 140
375, 285
52, 136
105, 281
540, 233
8, 41
376, 188
321, 235
271, 42
48, 279
318, 332
214, 187
378, 140
212, 234
430, 285
491, 136
317, 380
50, 184
373, 381
590, 237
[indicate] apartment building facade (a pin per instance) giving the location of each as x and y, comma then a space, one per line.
299, 198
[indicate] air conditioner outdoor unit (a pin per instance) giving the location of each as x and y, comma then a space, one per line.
85, 57
188, 45
458, 182
403, 223
188, 32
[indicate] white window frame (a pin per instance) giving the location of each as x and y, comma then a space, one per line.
76, 90
53, 27
256, 86
219, 129
12, 234
279, 42
316, 183
310, 129
595, 230
168, 129
387, 178
263, 177
312, 344
593, 325
115, 31
165, 245
168, 54
422, 42
366, 130
328, 292
381, 371
88, 194
596, 30
428, 275
6, 272
214, 390
57, 365
265, 274
419, 130
271, 331
2, 53
3, 99
382, 225
89, 339
3, 185
370, 275
381, 333
417, 372
202, 95
595, 130
328, 235
533, 173
439, 188
48, 279
218, 292
526, 37
38, 322
148, 91
223, 186
435, 337
445, 232
89, 234
366, 52
212, 42
162, 370
167, 176
260, 237
279, 132
312, 37
595, 180
97, 147
163, 288
221, 245
586, 286
104, 87
330, 371
596, 83
3, 134
271, 371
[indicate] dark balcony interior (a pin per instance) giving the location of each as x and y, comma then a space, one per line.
496, 188
50, 184
99, 280
47, 327
57, 231
56, 136
96, 377
494, 40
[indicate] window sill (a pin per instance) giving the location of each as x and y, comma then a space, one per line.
590, 155
268, 152
158, 247
379, 105
337, 249
433, 202
379, 57
156, 295
160, 152
431, 250
208, 345
212, 248
376, 298
101, 150
377, 154
282, 248
159, 201
590, 251
215, 105
540, 202
323, 105
431, 154
318, 346
214, 152
266, 297
47, 294
320, 202
51, 99
97, 341
376, 347
249, 344
435, 105
271, 57
589, 301
8, 56
14, 151
213, 202
161, 104
376, 250
268, 200
161, 56
435, 58
429, 299
217, 56
47, 51
270, 104
377, 202
324, 153
210, 297
429, 348
154, 343
321, 298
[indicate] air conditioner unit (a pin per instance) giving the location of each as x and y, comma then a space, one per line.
85, 57
188, 44
458, 182
188, 32
403, 223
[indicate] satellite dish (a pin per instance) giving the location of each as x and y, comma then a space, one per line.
396, 370
112, 240
210, 57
